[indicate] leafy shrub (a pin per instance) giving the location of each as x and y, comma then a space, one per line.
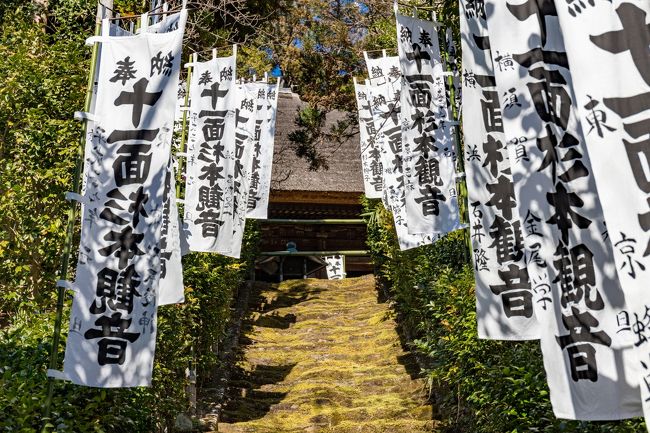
478, 386
43, 74
188, 334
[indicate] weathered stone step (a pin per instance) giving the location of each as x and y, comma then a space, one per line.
324, 356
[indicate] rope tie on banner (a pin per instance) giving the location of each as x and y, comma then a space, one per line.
74, 196
144, 22
65, 284
103, 36
56, 374
91, 41
83, 116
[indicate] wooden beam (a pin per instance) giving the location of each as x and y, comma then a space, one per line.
315, 253
319, 197
313, 222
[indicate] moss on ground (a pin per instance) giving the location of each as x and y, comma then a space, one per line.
324, 356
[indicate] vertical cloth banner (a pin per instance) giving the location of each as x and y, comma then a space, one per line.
258, 200
427, 131
112, 335
370, 152
211, 145
588, 363
240, 163
169, 23
381, 71
613, 101
504, 311
383, 93
92, 134
335, 267
171, 289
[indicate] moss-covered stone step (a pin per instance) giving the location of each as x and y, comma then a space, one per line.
323, 356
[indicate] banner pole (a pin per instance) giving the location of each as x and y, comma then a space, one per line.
179, 175
460, 161
102, 11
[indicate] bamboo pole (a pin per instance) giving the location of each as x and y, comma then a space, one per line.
102, 11
461, 183
179, 175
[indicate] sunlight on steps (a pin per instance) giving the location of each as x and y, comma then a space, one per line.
324, 356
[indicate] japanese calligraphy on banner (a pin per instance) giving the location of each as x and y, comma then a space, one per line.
504, 295
92, 133
370, 152
613, 100
385, 107
335, 266
239, 165
586, 355
427, 135
260, 188
208, 216
112, 335
384, 67
180, 107
171, 289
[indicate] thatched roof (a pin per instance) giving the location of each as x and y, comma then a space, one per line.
291, 173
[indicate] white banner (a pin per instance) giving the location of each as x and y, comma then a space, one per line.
381, 70
267, 107
386, 67
169, 23
370, 151
171, 289
335, 266
385, 105
427, 131
504, 308
112, 335
210, 148
588, 364
607, 48
238, 171
92, 132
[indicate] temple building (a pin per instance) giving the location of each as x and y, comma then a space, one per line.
298, 193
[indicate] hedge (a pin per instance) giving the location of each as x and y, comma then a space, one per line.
477, 386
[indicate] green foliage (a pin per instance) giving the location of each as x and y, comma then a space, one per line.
43, 72
479, 386
188, 335
43, 82
307, 137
